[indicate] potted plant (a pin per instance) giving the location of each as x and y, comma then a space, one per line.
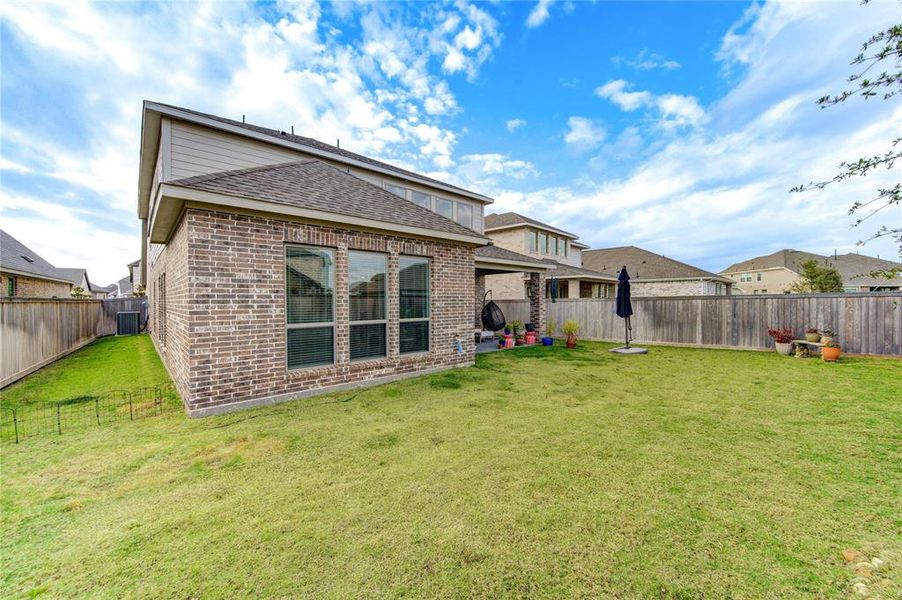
827, 337
516, 326
812, 335
550, 330
830, 352
570, 329
782, 340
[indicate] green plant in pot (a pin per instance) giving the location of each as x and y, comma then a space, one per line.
812, 335
550, 330
570, 329
516, 326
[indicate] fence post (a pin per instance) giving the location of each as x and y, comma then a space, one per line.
59, 425
16, 425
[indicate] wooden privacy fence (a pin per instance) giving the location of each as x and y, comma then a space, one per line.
864, 323
35, 332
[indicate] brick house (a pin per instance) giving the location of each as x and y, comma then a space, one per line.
559, 250
277, 266
24, 274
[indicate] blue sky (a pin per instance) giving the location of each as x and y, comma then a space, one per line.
678, 127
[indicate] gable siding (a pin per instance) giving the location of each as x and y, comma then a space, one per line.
197, 150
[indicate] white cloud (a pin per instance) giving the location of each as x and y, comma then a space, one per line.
539, 14
674, 110
615, 91
583, 134
514, 124
647, 61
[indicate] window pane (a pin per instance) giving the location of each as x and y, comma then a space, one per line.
397, 190
309, 347
415, 337
542, 248
366, 286
465, 214
309, 277
424, 200
531, 240
367, 341
444, 207
414, 287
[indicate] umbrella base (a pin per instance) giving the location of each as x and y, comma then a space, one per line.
630, 350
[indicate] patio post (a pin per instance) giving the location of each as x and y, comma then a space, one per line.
537, 302
477, 301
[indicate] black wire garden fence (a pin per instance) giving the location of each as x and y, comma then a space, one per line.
83, 412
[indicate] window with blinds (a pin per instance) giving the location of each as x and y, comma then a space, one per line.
310, 286
413, 290
367, 304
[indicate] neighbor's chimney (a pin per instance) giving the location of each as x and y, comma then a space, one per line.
292, 130
337, 143
242, 118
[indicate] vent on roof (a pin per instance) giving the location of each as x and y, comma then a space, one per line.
28, 258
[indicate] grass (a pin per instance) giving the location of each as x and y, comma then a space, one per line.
109, 363
685, 473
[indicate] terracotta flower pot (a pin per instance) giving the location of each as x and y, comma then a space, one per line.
830, 354
784, 349
571, 342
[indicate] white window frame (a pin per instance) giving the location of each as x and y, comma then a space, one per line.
387, 184
384, 322
428, 317
317, 324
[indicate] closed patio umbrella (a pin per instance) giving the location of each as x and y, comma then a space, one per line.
624, 309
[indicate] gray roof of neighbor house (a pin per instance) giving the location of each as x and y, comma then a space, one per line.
857, 269
125, 285
642, 264
788, 258
498, 253
338, 153
565, 271
16, 257
315, 185
76, 275
512, 219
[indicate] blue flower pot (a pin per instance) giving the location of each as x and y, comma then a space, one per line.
547, 341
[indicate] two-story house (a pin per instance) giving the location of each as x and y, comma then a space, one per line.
557, 248
278, 266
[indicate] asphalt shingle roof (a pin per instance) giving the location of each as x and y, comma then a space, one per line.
642, 264
564, 270
323, 147
16, 256
315, 185
507, 219
496, 252
787, 258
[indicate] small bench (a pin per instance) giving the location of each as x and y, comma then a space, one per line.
807, 343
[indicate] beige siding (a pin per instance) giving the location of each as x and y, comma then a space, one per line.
197, 150
506, 287
773, 281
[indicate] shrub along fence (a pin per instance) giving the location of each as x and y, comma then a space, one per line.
83, 412
35, 332
864, 323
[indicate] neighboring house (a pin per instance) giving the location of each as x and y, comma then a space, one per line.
79, 278
656, 275
776, 273
555, 247
125, 287
24, 274
278, 266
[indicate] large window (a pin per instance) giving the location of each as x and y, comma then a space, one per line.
424, 200
444, 207
543, 243
11, 287
367, 304
396, 189
465, 214
310, 285
531, 240
413, 279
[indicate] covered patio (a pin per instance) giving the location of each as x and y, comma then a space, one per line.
492, 260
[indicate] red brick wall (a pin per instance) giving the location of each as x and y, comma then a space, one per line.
235, 335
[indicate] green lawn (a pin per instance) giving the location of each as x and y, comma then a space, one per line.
685, 473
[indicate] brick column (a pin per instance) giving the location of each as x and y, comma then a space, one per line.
393, 318
480, 292
341, 307
537, 302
